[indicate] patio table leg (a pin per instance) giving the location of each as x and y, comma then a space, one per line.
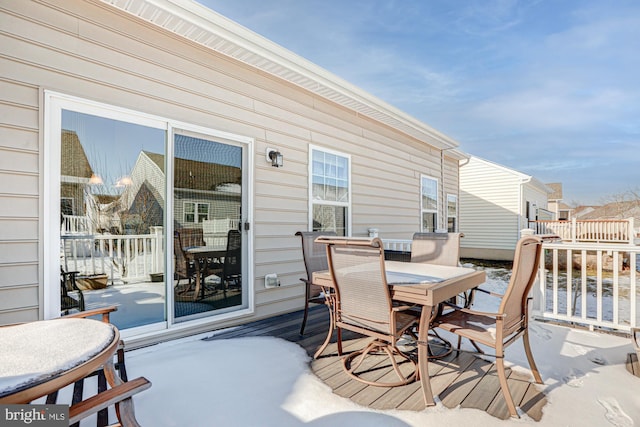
423, 355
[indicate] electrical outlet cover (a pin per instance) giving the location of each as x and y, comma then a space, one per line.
271, 281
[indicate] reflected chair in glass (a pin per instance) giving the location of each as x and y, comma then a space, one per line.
315, 259
364, 305
231, 277
511, 321
185, 266
71, 296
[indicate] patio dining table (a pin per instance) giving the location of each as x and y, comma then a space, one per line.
426, 285
39, 358
200, 255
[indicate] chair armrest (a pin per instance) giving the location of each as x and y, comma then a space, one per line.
104, 311
107, 398
403, 307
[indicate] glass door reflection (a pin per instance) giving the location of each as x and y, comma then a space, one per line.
207, 238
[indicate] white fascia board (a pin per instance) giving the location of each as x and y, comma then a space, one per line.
266, 54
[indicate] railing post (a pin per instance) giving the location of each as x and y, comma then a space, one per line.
631, 231
157, 257
574, 230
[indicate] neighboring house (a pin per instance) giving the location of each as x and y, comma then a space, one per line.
75, 175
201, 193
614, 210
496, 203
562, 211
174, 78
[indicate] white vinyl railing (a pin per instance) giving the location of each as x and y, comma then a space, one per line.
603, 293
120, 257
74, 224
589, 284
600, 230
397, 245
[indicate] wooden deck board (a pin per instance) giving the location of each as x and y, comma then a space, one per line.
458, 380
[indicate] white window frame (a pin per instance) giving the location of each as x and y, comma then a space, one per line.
313, 202
424, 210
453, 197
54, 104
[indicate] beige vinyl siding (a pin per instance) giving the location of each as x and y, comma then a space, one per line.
19, 184
91, 50
489, 206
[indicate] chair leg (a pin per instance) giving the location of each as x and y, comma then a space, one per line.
532, 363
339, 341
502, 376
332, 326
307, 292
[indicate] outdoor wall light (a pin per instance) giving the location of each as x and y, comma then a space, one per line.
275, 157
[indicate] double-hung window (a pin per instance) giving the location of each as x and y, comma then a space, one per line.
429, 204
330, 191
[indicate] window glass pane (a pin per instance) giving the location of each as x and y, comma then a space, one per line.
451, 224
428, 222
112, 215
429, 193
330, 218
330, 191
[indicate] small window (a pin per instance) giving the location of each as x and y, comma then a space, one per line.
452, 213
429, 204
196, 212
330, 191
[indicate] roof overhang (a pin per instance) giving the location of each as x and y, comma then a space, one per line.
201, 25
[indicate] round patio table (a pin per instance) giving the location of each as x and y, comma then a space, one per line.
39, 358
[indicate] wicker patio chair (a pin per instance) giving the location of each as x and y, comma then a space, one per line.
364, 305
315, 259
499, 330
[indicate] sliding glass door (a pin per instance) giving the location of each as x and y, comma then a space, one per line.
208, 237
153, 216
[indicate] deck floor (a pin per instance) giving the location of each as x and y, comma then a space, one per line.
463, 380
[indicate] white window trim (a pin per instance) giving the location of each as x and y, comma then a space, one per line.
454, 196
438, 202
54, 103
313, 148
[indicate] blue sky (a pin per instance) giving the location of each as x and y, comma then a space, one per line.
549, 88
